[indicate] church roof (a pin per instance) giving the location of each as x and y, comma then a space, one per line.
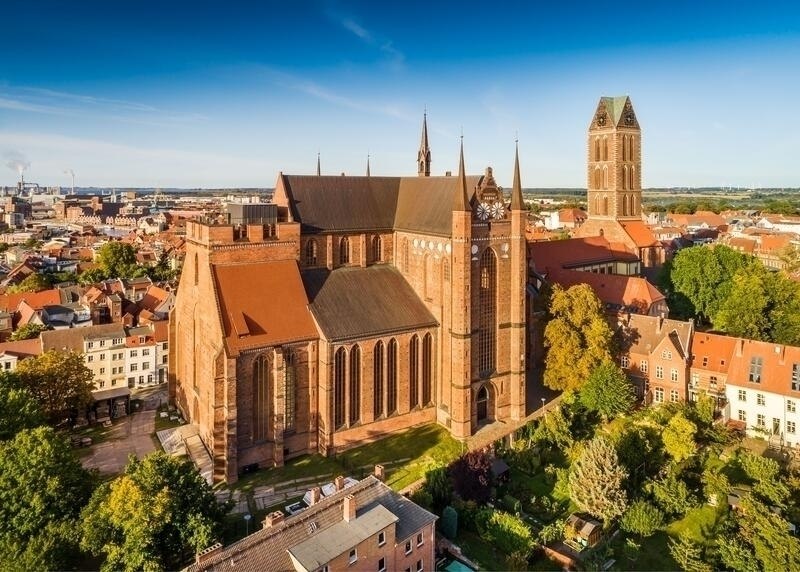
640, 233
615, 106
425, 204
262, 304
356, 302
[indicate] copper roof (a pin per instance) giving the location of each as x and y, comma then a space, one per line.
262, 304
355, 302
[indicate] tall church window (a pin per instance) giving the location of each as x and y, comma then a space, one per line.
427, 371
262, 367
605, 148
597, 205
624, 205
624, 177
196, 269
633, 205
487, 312
344, 250
596, 148
446, 270
377, 249
355, 384
405, 255
377, 379
605, 205
598, 178
605, 177
413, 372
428, 276
624, 148
311, 253
632, 147
632, 175
391, 377
290, 390
339, 366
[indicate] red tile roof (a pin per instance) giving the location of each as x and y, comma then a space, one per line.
262, 304
640, 233
551, 256
776, 369
717, 348
36, 300
614, 289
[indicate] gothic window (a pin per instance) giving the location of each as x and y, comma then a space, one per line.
446, 270
311, 253
338, 387
290, 390
624, 148
427, 365
605, 177
633, 204
631, 147
261, 399
355, 384
428, 276
487, 312
632, 175
597, 204
344, 250
377, 379
598, 178
405, 255
413, 372
624, 177
605, 148
391, 377
377, 248
605, 205
624, 205
196, 269
596, 148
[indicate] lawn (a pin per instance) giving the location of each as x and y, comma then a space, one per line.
304, 467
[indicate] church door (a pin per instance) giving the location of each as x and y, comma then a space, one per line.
483, 404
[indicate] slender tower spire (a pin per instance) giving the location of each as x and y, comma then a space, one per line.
424, 154
517, 204
319, 171
461, 202
367, 164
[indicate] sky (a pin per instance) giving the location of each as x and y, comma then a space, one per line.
228, 94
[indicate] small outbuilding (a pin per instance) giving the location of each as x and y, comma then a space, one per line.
582, 531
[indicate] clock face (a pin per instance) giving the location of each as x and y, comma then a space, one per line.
498, 210
484, 211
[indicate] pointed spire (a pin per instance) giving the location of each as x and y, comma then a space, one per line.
424, 154
319, 171
367, 164
461, 202
517, 204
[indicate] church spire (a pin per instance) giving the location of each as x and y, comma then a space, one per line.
367, 164
319, 171
424, 154
461, 202
517, 204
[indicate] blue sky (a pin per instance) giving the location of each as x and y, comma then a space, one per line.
229, 93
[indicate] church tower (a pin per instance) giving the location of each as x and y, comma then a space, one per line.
614, 162
424, 154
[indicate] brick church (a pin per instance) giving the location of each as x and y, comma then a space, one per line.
351, 308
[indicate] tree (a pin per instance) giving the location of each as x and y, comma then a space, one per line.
59, 381
715, 485
678, 437
743, 312
671, 493
438, 485
471, 475
639, 452
790, 256
736, 554
117, 259
577, 336
608, 391
18, 410
33, 283
768, 534
509, 534
92, 276
642, 519
181, 515
784, 310
28, 332
554, 428
595, 481
552, 532
688, 554
450, 522
42, 489
766, 473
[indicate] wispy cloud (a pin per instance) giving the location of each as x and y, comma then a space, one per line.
393, 56
52, 102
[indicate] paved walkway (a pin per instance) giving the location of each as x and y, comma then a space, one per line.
128, 436
185, 440
487, 435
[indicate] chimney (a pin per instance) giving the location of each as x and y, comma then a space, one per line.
660, 323
380, 473
273, 519
740, 347
208, 553
349, 508
315, 494
339, 482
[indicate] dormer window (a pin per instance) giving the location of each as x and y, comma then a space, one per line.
353, 556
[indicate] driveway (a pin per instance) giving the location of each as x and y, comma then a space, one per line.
131, 435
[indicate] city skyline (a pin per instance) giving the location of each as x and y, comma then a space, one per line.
206, 98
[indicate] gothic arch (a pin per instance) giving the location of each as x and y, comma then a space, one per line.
624, 147
597, 148
262, 377
339, 367
391, 377
344, 250
597, 210
605, 204
624, 177
624, 205
484, 403
427, 369
598, 178
377, 248
405, 254
289, 390
413, 372
605, 148
311, 252
355, 384
605, 177
632, 184
377, 380
487, 312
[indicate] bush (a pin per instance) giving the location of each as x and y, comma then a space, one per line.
450, 522
471, 476
642, 519
552, 532
671, 494
511, 504
506, 532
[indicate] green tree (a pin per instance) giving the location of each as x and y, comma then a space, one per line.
784, 309
552, 532
577, 336
678, 437
28, 332
768, 534
639, 451
642, 519
790, 256
743, 313
715, 485
18, 410
688, 554
33, 283
92, 276
509, 534
437, 482
117, 259
554, 428
181, 515
671, 494
736, 554
449, 522
42, 489
59, 381
608, 391
766, 473
595, 481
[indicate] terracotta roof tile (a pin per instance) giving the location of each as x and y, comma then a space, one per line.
262, 304
714, 350
551, 256
36, 300
640, 233
777, 362
622, 292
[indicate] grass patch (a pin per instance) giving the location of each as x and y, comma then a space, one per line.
300, 468
699, 523
480, 552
